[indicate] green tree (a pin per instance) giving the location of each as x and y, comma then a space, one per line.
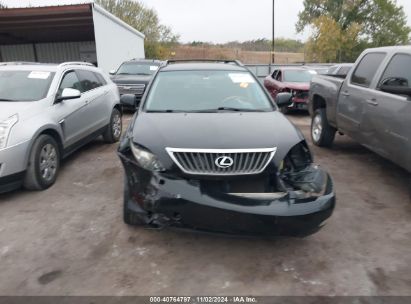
358, 24
159, 38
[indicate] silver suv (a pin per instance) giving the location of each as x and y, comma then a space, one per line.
47, 111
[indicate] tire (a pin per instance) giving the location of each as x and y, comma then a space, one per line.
322, 134
113, 132
129, 216
285, 110
44, 164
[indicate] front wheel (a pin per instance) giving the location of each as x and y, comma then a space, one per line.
322, 133
44, 164
285, 110
113, 132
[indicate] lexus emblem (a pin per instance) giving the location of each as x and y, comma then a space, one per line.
224, 162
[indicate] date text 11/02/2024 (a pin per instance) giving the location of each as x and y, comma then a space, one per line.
204, 299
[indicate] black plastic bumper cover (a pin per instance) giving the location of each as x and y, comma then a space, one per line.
168, 201
11, 182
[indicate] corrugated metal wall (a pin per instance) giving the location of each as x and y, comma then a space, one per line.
21, 52
50, 52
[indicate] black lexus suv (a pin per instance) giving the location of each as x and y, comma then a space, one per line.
209, 150
132, 78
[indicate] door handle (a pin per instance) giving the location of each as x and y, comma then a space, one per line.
372, 102
346, 94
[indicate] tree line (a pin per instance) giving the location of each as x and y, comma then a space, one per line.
342, 29
258, 45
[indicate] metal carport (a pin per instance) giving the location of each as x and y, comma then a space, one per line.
83, 32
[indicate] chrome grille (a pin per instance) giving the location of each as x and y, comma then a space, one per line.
126, 88
231, 162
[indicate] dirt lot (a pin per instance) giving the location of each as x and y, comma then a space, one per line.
70, 240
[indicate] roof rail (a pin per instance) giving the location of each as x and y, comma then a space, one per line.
236, 62
76, 63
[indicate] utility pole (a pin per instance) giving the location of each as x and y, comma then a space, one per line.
273, 42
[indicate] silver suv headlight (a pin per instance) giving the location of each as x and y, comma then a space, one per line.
5, 128
146, 159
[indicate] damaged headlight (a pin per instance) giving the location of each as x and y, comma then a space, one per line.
146, 159
299, 173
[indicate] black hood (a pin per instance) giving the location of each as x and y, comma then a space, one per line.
248, 130
131, 79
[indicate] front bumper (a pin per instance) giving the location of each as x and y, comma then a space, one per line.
13, 162
163, 200
299, 104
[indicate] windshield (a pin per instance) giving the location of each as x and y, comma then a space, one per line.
298, 75
24, 85
134, 68
206, 91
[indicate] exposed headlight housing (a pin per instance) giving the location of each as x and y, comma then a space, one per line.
299, 173
5, 128
146, 159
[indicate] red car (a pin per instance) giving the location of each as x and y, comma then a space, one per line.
291, 79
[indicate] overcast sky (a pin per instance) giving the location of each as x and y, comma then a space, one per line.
221, 20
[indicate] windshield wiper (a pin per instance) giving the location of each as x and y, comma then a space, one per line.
206, 110
5, 99
165, 111
238, 109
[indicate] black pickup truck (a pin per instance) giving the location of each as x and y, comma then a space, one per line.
372, 104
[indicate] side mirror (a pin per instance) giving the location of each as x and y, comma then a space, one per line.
283, 100
68, 93
112, 72
396, 85
128, 100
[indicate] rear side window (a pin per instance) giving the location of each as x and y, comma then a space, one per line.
89, 80
398, 71
366, 69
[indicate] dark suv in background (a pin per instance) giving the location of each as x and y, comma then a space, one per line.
132, 78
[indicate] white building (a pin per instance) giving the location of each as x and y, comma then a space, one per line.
54, 34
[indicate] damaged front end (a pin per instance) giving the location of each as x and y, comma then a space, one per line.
292, 197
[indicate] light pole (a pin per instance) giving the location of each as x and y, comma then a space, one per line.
273, 42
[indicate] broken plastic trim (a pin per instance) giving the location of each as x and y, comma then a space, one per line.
299, 173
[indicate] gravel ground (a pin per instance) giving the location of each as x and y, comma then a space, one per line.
70, 239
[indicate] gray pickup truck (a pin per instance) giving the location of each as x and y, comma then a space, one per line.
372, 104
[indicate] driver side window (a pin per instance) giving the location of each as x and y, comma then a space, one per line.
398, 72
71, 81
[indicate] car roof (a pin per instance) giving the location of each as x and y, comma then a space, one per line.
404, 48
47, 67
29, 66
153, 61
201, 66
302, 68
